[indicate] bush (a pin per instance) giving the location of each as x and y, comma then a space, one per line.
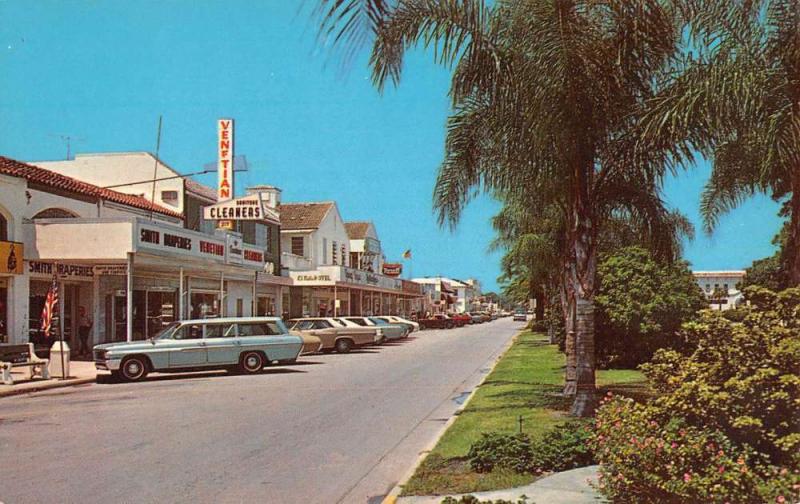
725, 426
510, 451
641, 304
565, 447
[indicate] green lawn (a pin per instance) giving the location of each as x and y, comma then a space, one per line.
526, 382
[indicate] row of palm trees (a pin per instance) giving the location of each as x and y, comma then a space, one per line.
572, 112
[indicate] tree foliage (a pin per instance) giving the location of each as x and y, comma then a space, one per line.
641, 305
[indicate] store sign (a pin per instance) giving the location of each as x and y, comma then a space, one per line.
111, 269
392, 269
225, 165
372, 245
250, 207
11, 254
235, 249
65, 271
311, 278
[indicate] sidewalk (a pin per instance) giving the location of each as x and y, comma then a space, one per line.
568, 487
80, 372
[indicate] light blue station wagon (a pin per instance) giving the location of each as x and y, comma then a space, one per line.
244, 343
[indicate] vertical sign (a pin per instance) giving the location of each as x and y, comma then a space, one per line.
225, 165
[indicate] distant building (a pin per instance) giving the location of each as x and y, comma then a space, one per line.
727, 281
450, 295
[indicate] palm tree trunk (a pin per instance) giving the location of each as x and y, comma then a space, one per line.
568, 305
793, 243
583, 268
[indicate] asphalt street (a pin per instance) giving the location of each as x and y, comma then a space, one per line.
331, 428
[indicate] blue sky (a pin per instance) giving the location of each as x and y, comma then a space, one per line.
103, 71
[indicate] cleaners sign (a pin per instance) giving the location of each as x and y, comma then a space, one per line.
225, 165
250, 207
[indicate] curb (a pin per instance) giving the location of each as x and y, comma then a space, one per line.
47, 386
392, 496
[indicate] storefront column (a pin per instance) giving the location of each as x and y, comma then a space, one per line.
181, 302
222, 299
129, 300
279, 301
95, 311
254, 302
335, 301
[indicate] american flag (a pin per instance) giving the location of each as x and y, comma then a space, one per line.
50, 304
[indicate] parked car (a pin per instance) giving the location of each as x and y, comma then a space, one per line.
414, 326
461, 319
477, 318
437, 321
520, 316
246, 343
390, 331
311, 344
335, 334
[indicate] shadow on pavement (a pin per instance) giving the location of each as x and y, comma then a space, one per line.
109, 380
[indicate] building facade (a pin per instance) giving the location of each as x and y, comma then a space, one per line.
721, 281
128, 265
335, 267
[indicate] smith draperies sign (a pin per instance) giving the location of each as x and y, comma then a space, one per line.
173, 240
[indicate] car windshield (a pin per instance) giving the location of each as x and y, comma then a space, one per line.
379, 321
166, 333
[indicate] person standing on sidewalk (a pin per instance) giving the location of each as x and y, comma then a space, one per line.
84, 326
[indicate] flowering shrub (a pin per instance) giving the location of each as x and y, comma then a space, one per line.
563, 448
726, 426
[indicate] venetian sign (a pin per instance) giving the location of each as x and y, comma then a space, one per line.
225, 165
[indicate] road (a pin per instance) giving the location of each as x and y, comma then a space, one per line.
331, 428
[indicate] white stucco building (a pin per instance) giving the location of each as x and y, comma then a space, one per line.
335, 272
133, 265
727, 281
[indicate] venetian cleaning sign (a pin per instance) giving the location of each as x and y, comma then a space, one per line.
249, 207
11, 257
225, 165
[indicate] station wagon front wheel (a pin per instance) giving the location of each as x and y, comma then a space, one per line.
133, 369
252, 363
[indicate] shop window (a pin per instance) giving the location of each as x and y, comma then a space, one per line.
248, 230
354, 260
55, 213
239, 307
298, 246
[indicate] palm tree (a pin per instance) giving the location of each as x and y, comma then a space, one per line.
737, 100
545, 96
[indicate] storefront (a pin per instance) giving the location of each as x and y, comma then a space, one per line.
339, 290
172, 274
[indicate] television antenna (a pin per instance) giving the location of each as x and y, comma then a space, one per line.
68, 139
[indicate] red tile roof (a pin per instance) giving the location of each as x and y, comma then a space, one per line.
357, 230
49, 178
303, 215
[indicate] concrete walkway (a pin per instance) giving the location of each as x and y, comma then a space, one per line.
79, 372
568, 487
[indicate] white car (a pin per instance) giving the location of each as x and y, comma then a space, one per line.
400, 320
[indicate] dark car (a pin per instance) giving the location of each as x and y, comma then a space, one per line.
438, 321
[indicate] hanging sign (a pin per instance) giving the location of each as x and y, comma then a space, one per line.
249, 207
225, 165
392, 269
11, 257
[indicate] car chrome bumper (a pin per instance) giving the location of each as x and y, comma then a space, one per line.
108, 364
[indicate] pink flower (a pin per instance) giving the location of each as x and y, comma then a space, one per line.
687, 477
721, 469
674, 444
780, 498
